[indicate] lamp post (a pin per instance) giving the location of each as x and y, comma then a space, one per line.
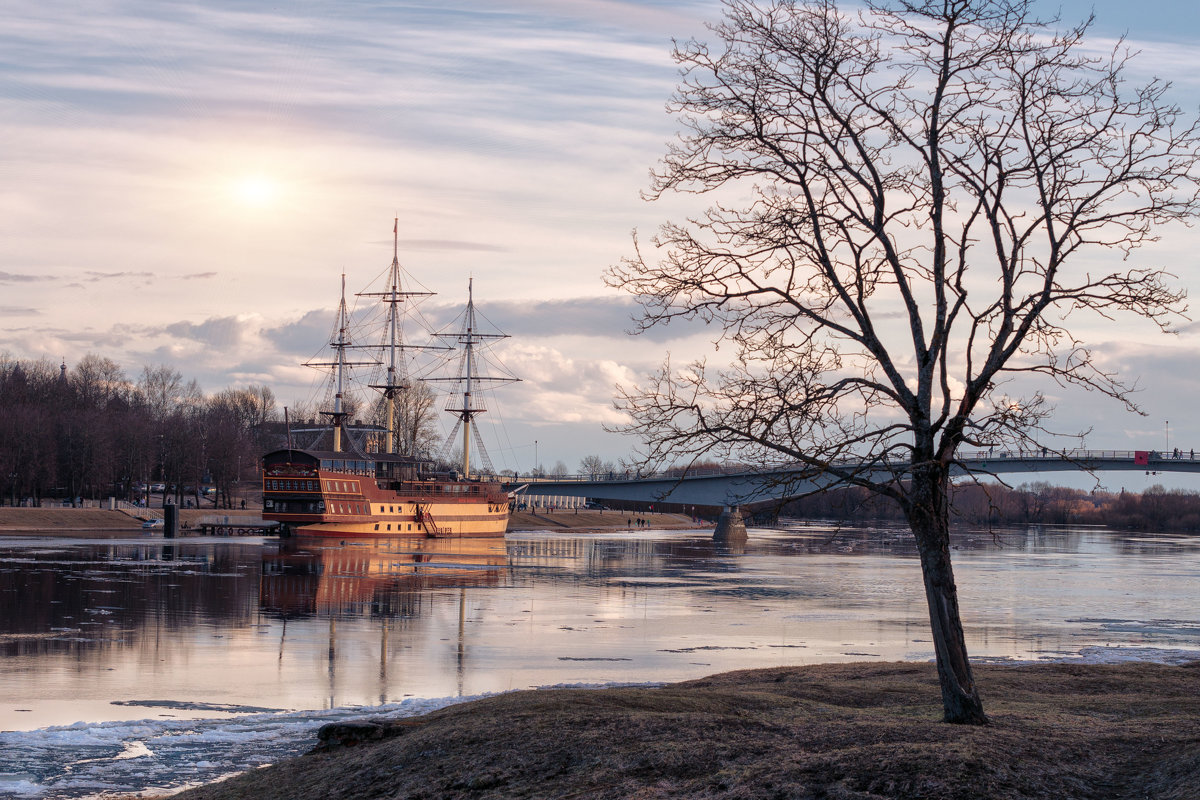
535, 461
1168, 437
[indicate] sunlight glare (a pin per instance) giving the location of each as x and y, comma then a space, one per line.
256, 191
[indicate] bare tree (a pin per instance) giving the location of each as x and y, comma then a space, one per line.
595, 467
902, 199
416, 420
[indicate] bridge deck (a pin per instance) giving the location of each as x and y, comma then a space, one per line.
739, 485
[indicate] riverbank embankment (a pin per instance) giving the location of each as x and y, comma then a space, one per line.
847, 731
599, 521
44, 521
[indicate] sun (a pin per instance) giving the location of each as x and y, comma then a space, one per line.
256, 191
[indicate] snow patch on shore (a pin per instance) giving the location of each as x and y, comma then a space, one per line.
91, 759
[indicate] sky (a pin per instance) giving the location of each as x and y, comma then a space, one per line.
184, 183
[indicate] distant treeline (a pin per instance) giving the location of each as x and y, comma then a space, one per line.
1156, 509
91, 432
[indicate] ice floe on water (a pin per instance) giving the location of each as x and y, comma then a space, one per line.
1125, 655
92, 759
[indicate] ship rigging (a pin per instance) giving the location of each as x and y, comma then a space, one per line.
364, 485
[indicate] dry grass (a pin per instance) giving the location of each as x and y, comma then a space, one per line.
837, 732
49, 520
74, 520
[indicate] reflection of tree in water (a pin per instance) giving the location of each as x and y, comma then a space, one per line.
80, 598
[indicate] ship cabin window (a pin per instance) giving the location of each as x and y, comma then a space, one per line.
410, 526
376, 526
389, 526
349, 465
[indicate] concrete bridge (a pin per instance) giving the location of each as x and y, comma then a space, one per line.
738, 486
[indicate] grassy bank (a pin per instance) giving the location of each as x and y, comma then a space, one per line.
74, 520
51, 520
841, 732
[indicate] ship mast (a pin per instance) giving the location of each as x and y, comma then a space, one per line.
339, 346
393, 297
339, 365
471, 340
469, 347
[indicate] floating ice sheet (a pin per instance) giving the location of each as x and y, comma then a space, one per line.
86, 759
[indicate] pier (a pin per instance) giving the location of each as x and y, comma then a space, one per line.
231, 529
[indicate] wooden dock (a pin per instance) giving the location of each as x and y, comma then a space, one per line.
230, 528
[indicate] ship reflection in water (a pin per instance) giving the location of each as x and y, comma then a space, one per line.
375, 577
382, 578
96, 629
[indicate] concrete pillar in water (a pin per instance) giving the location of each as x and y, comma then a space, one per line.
730, 526
170, 520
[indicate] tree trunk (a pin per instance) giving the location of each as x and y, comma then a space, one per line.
929, 519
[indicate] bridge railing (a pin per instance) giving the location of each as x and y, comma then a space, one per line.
1047, 455
1079, 455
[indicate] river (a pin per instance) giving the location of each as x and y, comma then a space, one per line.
134, 663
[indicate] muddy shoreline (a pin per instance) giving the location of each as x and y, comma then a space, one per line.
835, 731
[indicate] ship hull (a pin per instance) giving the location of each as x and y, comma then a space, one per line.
375, 497
438, 520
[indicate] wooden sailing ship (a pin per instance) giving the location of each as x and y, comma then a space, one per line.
360, 490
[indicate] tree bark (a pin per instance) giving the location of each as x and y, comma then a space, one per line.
930, 522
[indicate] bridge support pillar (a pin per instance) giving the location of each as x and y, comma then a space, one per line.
731, 527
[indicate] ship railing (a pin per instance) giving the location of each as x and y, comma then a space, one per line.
437, 489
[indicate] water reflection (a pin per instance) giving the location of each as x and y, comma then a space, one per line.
383, 577
304, 624
72, 597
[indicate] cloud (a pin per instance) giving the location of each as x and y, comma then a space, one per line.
196, 276
96, 277
557, 388
450, 244
303, 336
18, 311
16, 277
603, 317
223, 333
